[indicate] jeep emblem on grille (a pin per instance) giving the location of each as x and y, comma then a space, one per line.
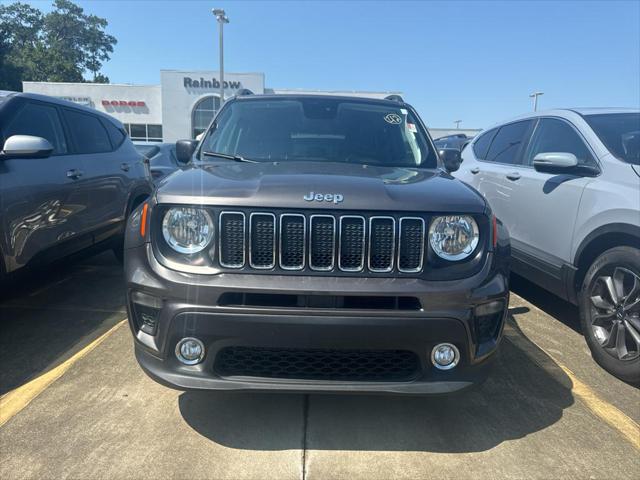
324, 197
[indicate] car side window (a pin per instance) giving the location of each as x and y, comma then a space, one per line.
481, 145
88, 133
115, 134
508, 142
38, 120
553, 135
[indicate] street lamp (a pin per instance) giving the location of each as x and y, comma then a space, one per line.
457, 122
222, 18
535, 96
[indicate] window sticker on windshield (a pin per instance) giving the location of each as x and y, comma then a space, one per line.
404, 111
393, 118
412, 128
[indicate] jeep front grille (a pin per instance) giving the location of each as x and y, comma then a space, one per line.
321, 242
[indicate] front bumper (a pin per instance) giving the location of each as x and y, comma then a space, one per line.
191, 305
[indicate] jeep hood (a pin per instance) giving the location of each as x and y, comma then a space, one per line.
285, 185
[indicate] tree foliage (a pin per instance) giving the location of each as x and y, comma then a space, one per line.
63, 45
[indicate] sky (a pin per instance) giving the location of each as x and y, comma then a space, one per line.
474, 61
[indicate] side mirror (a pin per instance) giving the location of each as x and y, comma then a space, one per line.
555, 162
451, 159
185, 149
26, 146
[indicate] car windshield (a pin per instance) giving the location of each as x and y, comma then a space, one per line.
620, 132
320, 130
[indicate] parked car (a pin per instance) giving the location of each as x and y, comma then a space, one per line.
316, 244
457, 141
69, 176
566, 183
162, 159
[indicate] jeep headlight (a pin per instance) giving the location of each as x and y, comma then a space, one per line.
187, 229
454, 237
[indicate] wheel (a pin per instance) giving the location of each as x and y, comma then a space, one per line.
118, 252
118, 245
609, 302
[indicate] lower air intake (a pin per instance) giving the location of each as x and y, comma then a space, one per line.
318, 364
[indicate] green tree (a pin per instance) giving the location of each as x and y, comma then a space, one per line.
63, 45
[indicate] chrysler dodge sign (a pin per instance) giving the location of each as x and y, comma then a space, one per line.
209, 83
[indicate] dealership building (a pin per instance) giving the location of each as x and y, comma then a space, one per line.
181, 106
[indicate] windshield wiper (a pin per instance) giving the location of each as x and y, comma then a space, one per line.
226, 156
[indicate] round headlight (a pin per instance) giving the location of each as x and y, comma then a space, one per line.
187, 229
454, 237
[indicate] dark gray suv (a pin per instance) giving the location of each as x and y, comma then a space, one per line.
316, 244
69, 176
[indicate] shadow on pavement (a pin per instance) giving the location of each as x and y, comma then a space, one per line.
49, 313
527, 392
559, 309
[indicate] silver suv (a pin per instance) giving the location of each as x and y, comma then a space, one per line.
566, 183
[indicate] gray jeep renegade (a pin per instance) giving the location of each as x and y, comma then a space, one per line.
316, 244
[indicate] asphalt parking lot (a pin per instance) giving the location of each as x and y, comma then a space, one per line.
76, 405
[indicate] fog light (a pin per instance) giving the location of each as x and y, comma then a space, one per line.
445, 356
190, 351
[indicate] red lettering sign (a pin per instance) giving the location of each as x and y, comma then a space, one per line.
123, 103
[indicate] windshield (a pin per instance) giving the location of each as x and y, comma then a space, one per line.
620, 132
320, 130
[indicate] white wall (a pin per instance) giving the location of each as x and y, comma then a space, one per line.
93, 95
340, 93
181, 90
443, 132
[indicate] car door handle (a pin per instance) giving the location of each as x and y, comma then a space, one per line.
124, 166
475, 170
74, 173
513, 176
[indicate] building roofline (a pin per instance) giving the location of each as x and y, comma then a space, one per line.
207, 71
95, 84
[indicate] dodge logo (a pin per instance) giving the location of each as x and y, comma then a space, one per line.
324, 197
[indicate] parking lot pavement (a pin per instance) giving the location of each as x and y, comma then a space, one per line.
546, 412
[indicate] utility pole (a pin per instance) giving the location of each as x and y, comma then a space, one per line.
457, 122
535, 96
222, 18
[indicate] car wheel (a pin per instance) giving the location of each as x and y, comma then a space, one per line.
609, 304
118, 251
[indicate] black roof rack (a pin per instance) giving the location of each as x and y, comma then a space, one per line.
394, 98
244, 92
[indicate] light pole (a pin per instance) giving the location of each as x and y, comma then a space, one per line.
222, 18
535, 96
457, 122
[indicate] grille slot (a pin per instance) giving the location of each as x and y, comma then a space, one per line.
293, 231
232, 239
411, 245
262, 232
317, 364
382, 237
352, 243
323, 242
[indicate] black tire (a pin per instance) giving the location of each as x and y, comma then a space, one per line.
118, 248
118, 251
615, 271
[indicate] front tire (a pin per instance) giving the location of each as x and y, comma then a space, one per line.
609, 302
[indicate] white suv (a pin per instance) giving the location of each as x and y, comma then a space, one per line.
566, 183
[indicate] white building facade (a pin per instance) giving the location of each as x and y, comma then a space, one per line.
182, 106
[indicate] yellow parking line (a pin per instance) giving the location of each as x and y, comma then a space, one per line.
603, 409
14, 401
